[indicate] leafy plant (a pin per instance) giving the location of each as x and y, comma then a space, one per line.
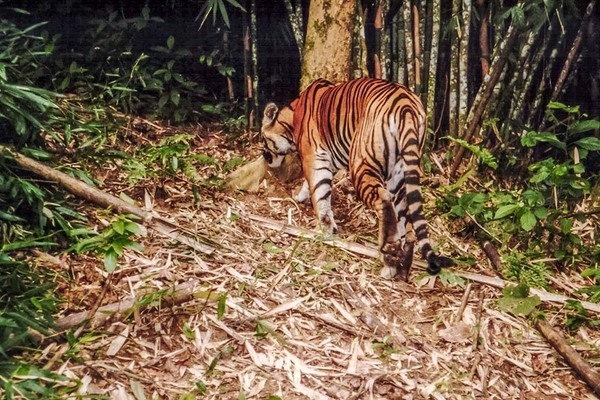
578, 316
27, 306
516, 300
214, 6
113, 240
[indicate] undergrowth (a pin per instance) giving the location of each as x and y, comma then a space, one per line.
544, 219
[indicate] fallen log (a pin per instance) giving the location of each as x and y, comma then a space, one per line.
583, 369
103, 199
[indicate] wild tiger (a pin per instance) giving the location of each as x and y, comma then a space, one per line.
376, 130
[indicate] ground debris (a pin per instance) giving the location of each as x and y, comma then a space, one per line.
293, 318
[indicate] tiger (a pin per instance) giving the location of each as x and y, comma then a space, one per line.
376, 130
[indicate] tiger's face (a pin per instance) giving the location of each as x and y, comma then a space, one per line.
277, 132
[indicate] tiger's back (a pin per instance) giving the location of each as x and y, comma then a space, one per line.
376, 130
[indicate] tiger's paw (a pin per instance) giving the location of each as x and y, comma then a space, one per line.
436, 263
398, 259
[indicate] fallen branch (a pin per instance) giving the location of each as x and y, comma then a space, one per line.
553, 336
174, 295
103, 199
355, 248
371, 251
585, 371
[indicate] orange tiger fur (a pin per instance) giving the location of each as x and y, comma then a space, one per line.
376, 130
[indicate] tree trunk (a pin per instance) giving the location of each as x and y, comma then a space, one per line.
330, 26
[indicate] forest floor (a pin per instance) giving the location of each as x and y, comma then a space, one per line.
271, 315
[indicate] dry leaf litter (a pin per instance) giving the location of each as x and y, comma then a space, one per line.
302, 319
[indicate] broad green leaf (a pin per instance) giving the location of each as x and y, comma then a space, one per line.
528, 221
584, 126
175, 96
565, 225
519, 291
505, 210
541, 212
590, 143
170, 42
163, 100
110, 261
519, 306
555, 105
119, 226
135, 228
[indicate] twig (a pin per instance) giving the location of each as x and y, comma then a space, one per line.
175, 295
89, 314
583, 369
463, 303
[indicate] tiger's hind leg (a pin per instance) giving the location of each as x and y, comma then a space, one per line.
407, 239
396, 255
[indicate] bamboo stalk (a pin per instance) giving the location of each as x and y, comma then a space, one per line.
485, 94
463, 66
433, 58
402, 69
416, 15
296, 21
454, 76
536, 107
254, 52
518, 87
378, 24
409, 44
559, 86
484, 36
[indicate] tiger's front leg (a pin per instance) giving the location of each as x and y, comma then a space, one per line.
319, 177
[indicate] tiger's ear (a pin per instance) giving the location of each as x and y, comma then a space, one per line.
270, 113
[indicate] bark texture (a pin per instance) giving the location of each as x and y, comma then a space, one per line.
328, 45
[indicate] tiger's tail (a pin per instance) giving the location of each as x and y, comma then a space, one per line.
411, 157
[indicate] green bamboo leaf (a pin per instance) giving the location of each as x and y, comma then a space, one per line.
221, 305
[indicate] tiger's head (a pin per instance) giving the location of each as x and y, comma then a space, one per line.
278, 134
